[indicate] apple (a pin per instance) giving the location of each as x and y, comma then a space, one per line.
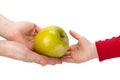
51, 41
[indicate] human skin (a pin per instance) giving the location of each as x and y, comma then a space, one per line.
80, 52
19, 42
23, 32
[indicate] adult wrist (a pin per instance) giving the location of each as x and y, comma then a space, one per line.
5, 25
2, 47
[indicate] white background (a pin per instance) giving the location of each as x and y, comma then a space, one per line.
94, 19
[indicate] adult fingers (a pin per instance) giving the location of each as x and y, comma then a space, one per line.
37, 28
53, 61
34, 57
43, 60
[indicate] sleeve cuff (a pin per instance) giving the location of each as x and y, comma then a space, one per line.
109, 48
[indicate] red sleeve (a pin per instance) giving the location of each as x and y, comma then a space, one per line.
109, 48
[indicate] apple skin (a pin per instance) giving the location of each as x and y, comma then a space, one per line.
51, 41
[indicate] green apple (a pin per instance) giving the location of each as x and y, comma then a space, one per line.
51, 41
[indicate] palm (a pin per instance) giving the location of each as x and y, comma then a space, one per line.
24, 32
79, 52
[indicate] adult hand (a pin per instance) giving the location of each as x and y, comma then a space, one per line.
18, 51
23, 32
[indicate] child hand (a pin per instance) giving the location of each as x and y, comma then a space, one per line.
83, 51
